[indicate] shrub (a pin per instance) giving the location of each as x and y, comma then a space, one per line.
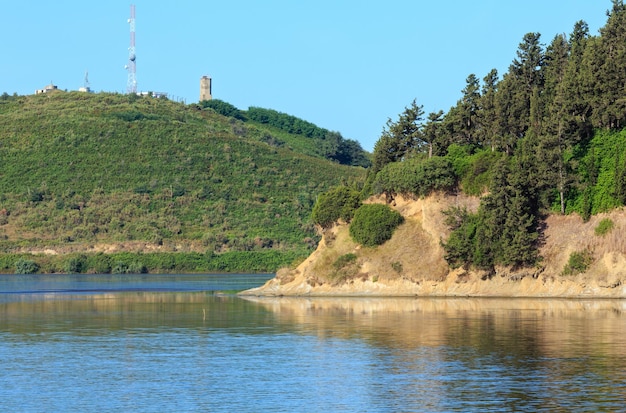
99, 263
76, 265
338, 203
579, 261
604, 227
24, 266
373, 224
397, 267
416, 176
119, 268
137, 267
344, 260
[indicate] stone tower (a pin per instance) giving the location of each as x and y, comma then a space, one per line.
205, 88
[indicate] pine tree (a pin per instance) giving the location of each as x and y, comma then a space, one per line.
488, 118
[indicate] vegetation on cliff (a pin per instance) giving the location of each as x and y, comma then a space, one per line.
546, 137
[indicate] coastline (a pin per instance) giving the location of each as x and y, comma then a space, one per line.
415, 248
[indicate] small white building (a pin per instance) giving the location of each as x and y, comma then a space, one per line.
50, 88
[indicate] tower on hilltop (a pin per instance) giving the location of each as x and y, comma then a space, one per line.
131, 84
205, 88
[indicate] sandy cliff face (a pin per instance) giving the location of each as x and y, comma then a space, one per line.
412, 262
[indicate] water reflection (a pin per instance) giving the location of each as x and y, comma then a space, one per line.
531, 355
194, 351
532, 326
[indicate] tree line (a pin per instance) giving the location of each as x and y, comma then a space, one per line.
329, 144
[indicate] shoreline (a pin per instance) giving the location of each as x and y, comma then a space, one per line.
412, 263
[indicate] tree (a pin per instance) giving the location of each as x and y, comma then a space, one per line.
488, 117
559, 136
607, 59
432, 130
516, 90
469, 106
400, 138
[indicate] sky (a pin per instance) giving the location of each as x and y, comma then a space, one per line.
345, 65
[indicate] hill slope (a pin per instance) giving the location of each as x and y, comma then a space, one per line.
80, 169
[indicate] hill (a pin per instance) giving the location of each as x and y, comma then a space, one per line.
107, 172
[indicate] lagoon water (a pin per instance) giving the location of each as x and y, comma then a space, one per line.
171, 344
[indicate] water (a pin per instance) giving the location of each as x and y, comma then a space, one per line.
99, 344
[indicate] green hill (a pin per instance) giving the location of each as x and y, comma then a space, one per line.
84, 169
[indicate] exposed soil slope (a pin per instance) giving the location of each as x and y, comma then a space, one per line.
412, 262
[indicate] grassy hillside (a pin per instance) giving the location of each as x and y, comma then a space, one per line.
79, 169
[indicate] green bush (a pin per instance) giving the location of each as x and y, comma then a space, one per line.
119, 268
223, 108
397, 267
604, 227
99, 264
76, 265
137, 267
338, 203
416, 176
579, 262
373, 224
344, 260
24, 266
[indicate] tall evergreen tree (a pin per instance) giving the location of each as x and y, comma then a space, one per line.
468, 110
400, 138
526, 70
576, 107
609, 55
433, 131
488, 117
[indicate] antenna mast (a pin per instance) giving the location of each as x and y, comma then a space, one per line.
131, 84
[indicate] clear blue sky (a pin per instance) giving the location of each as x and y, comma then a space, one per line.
345, 65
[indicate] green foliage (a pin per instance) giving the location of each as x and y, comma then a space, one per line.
503, 232
548, 135
330, 145
604, 227
474, 170
344, 260
461, 247
98, 263
338, 203
416, 176
286, 122
579, 262
76, 264
602, 172
111, 169
397, 267
373, 224
25, 266
400, 138
223, 108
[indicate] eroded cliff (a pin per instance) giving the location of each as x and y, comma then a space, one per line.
412, 263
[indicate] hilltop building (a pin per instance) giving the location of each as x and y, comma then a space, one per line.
205, 88
50, 88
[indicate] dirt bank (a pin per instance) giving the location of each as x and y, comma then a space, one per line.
412, 262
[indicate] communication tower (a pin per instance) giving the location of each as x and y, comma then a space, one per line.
85, 87
131, 84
